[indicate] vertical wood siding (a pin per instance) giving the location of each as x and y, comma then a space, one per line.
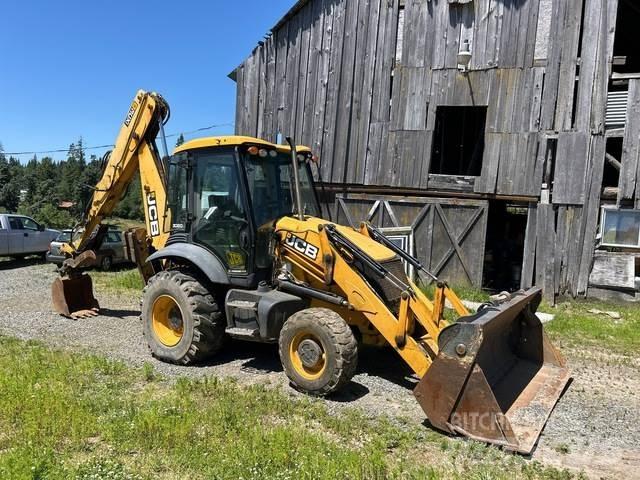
343, 77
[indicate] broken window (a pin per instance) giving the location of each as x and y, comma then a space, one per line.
458, 141
612, 166
625, 48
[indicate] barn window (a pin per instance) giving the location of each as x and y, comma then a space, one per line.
625, 48
620, 228
458, 141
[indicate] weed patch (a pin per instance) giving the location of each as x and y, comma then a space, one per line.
68, 415
123, 281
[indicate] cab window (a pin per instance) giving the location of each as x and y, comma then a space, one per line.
220, 218
64, 237
28, 224
113, 237
15, 223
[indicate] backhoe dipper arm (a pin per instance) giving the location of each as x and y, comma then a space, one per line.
135, 150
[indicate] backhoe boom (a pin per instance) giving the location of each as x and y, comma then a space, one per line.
135, 151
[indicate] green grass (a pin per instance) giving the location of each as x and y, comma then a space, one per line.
121, 281
124, 223
576, 327
67, 415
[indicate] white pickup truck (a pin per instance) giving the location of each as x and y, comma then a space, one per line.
21, 236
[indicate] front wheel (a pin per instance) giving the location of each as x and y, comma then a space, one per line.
181, 320
318, 351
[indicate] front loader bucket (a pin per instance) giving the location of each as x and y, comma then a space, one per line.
496, 377
73, 297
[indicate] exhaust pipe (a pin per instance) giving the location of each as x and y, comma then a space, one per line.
296, 179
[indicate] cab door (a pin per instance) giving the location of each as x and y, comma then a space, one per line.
113, 243
16, 236
35, 240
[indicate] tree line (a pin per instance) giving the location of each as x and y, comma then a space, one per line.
39, 187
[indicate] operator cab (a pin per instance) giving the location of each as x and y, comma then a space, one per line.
226, 194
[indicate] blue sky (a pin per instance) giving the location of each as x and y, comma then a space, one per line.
71, 68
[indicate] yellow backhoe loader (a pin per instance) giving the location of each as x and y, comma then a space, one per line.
236, 245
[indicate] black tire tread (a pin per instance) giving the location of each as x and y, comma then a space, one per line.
344, 345
208, 329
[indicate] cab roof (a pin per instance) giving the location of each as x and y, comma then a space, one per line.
233, 141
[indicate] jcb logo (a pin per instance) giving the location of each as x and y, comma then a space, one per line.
302, 247
152, 213
132, 111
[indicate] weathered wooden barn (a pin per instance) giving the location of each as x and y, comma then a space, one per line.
487, 135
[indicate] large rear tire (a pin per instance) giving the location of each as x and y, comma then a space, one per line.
318, 351
181, 320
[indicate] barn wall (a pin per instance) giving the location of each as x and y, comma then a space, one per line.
360, 82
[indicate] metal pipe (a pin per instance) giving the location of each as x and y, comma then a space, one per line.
296, 179
312, 293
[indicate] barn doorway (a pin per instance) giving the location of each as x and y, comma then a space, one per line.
504, 251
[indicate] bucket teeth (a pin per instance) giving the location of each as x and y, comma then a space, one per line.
94, 312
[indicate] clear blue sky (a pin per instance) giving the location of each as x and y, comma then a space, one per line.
71, 68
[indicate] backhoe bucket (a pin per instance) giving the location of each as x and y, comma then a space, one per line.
72, 295
496, 377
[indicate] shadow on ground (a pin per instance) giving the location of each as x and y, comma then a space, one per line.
123, 313
263, 359
7, 263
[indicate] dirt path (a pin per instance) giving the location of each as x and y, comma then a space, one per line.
595, 428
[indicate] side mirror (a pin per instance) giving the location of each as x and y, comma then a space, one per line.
41, 228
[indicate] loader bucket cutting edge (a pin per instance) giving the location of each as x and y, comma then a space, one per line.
496, 377
73, 297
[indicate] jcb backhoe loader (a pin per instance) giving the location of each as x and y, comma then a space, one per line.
236, 246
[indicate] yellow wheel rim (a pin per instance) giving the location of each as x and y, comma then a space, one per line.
307, 355
167, 321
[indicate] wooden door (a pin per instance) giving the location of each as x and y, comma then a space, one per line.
448, 234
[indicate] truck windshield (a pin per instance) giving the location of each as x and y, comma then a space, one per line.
64, 237
270, 187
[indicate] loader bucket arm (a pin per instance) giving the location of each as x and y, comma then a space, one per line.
492, 376
496, 377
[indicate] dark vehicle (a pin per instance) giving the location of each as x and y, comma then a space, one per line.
110, 253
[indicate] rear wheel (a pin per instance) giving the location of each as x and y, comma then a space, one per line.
181, 320
318, 351
106, 263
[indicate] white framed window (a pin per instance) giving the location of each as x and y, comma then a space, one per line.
620, 228
402, 237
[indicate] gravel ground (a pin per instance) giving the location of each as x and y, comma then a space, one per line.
594, 428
